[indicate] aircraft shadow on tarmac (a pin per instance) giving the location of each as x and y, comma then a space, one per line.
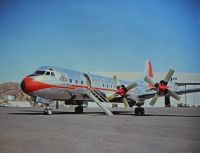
35, 112
174, 115
96, 113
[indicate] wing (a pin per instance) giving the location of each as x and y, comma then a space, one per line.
148, 95
184, 84
185, 91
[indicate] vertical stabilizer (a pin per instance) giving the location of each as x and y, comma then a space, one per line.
148, 71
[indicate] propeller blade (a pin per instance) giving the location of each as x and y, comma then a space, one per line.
125, 103
131, 86
174, 95
154, 99
148, 80
169, 75
109, 98
116, 80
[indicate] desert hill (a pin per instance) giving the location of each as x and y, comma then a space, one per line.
13, 89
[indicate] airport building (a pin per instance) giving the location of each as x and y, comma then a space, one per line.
18, 103
191, 99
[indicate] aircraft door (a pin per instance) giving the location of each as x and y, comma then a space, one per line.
88, 81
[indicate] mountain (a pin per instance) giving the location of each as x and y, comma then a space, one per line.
13, 89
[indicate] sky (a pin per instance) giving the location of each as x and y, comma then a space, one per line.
98, 35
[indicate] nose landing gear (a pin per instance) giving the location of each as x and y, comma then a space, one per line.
48, 111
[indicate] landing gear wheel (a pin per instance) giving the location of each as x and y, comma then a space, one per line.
45, 111
142, 112
139, 111
79, 110
48, 111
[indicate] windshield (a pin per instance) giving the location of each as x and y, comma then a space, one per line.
40, 72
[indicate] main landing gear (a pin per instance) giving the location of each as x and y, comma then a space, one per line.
139, 111
79, 110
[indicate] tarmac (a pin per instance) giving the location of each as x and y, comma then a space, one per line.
162, 130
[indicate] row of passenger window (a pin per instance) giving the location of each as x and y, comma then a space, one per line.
96, 80
76, 81
110, 84
103, 85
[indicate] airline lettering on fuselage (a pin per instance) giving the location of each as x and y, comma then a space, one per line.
63, 78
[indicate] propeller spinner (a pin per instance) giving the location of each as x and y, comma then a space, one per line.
162, 88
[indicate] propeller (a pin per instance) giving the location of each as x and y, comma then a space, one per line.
121, 90
162, 88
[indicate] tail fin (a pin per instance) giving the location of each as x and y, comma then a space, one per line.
148, 71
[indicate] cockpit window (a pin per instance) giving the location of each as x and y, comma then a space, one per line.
52, 74
40, 72
47, 73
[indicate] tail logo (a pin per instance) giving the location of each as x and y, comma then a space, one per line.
150, 73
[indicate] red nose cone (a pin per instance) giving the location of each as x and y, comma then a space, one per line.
27, 85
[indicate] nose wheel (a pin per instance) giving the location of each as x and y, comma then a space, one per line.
48, 111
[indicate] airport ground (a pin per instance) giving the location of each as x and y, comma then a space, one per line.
162, 130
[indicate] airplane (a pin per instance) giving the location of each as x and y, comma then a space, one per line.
49, 83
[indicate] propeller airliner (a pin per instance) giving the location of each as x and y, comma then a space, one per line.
51, 83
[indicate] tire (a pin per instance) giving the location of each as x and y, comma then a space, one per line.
45, 111
137, 112
142, 112
49, 111
79, 110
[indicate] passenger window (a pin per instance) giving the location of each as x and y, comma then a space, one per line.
70, 80
81, 82
103, 85
107, 85
76, 81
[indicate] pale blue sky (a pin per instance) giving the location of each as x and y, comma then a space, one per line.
98, 35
